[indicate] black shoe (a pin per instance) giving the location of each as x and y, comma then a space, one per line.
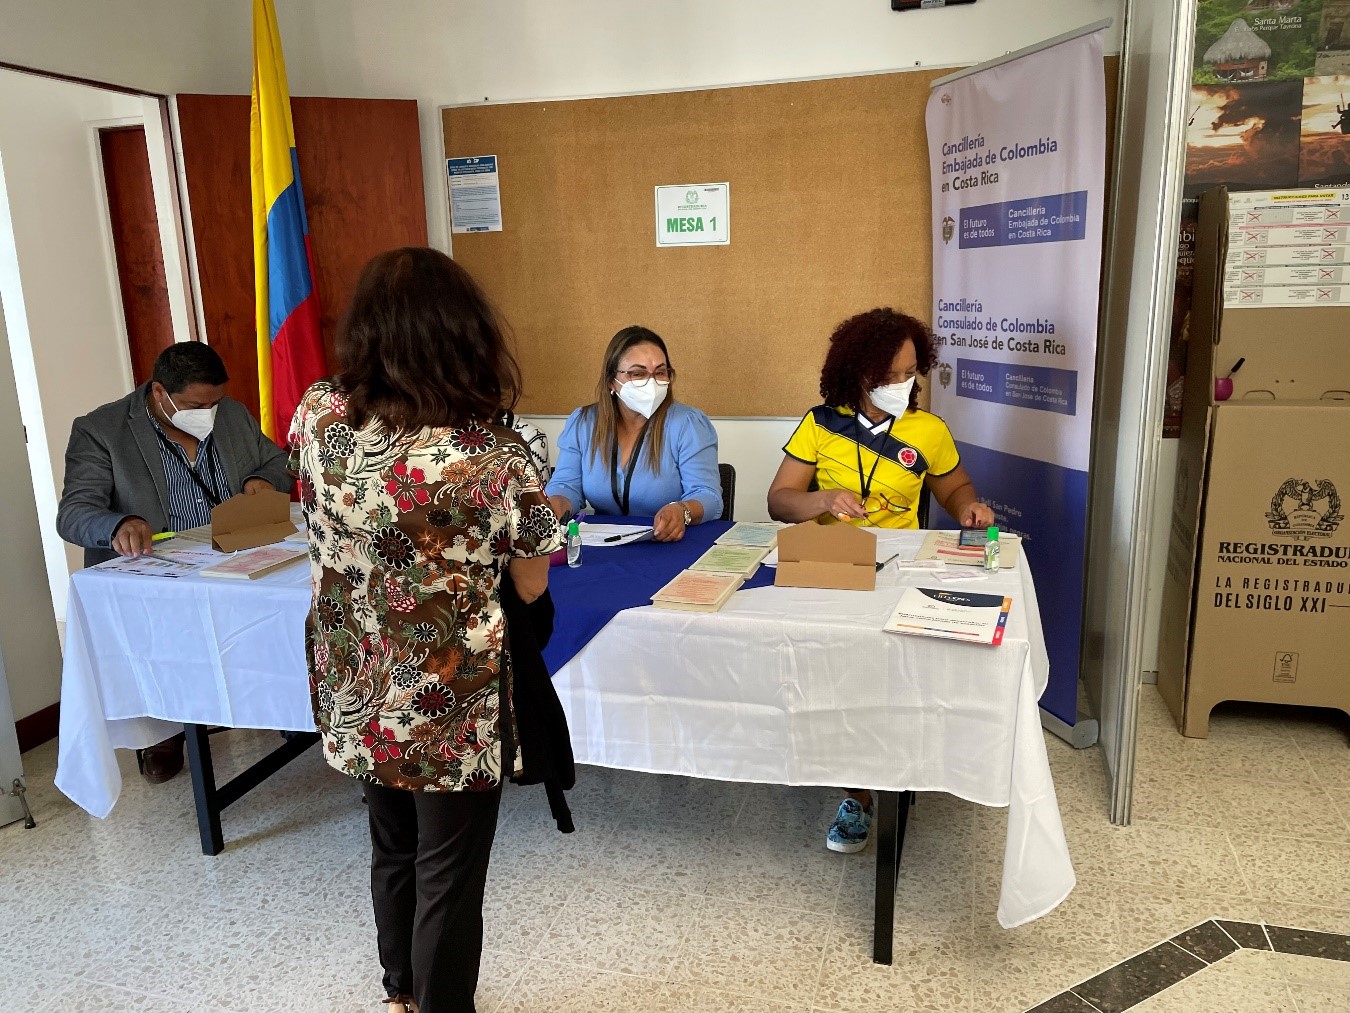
163, 761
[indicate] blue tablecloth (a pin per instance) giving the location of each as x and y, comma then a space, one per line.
610, 580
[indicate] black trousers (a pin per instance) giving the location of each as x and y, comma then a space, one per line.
428, 868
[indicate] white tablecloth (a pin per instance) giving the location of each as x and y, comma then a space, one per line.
145, 654
802, 687
784, 686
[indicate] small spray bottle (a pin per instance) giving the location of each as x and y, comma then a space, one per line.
573, 544
991, 548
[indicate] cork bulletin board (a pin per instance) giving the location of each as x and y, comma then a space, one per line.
829, 216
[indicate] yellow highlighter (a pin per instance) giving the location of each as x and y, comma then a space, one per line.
163, 536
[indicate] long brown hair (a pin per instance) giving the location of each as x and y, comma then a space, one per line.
605, 435
420, 346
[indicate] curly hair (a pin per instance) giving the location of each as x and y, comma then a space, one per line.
862, 349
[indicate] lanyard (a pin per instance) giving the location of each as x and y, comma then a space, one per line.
865, 478
622, 500
212, 496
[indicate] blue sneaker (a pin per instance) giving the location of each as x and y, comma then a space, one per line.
848, 832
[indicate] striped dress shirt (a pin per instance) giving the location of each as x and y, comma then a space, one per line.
189, 504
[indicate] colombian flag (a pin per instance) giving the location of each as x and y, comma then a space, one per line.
290, 347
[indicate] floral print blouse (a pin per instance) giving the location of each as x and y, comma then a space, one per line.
409, 535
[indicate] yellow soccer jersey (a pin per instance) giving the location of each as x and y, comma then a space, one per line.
885, 470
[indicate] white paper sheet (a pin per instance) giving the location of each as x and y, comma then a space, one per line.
609, 536
967, 573
148, 566
190, 555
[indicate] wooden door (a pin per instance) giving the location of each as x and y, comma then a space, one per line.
361, 172
135, 236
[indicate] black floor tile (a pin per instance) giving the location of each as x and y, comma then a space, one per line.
1207, 941
1065, 1002
1139, 978
1247, 934
1307, 943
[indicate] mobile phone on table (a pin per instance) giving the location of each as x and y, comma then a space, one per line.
973, 538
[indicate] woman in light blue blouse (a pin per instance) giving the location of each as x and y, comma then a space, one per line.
637, 451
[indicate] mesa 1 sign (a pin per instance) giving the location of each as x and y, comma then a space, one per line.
693, 214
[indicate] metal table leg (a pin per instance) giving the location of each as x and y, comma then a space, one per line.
892, 816
204, 789
210, 799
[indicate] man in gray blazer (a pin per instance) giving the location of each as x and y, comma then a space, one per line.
161, 459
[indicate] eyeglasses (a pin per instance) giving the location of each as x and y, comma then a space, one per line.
896, 504
639, 375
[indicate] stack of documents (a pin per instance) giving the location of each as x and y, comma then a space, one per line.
697, 591
254, 563
741, 560
713, 577
762, 534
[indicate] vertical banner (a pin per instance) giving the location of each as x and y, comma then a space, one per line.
1018, 157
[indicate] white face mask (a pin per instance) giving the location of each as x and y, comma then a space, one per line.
197, 422
644, 397
893, 398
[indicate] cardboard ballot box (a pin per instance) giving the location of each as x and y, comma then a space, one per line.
836, 556
1269, 611
1256, 602
247, 521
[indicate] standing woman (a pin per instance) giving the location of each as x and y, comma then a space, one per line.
637, 451
417, 505
864, 457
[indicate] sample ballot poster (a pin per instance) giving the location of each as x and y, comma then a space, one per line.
1017, 153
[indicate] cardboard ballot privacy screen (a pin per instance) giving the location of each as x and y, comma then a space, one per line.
827, 555
245, 522
1256, 599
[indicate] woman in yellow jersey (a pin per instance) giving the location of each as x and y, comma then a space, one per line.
864, 456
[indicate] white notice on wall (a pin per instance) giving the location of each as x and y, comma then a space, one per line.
475, 195
693, 214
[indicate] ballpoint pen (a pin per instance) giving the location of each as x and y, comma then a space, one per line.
885, 561
619, 538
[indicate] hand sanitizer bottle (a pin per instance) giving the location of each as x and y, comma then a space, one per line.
991, 548
573, 544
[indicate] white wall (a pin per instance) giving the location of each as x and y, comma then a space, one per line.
30, 657
450, 52
58, 279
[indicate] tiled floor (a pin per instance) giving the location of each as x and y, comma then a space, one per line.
679, 895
